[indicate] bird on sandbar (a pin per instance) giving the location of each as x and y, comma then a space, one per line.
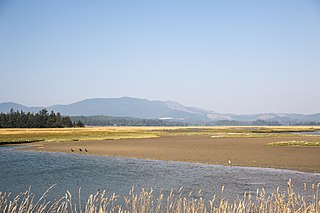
72, 150
85, 149
80, 150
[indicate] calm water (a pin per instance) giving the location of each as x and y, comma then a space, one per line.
307, 133
21, 169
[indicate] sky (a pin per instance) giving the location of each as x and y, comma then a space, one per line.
228, 56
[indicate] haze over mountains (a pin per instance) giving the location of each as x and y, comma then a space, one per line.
143, 108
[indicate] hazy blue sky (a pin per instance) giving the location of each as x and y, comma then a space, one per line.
228, 56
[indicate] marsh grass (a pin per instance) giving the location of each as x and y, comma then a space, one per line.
73, 134
295, 143
148, 202
249, 135
116, 133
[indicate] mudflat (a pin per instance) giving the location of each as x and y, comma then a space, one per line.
252, 152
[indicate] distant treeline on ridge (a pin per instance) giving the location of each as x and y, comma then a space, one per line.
100, 120
42, 119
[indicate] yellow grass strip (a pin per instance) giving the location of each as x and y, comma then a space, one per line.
295, 143
113, 133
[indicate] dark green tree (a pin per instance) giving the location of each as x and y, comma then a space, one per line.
42, 119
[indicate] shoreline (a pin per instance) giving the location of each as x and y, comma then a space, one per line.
244, 152
174, 161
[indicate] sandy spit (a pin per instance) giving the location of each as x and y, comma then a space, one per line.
252, 152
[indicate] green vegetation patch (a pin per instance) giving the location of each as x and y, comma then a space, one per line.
295, 143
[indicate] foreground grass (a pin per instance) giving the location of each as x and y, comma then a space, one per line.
113, 133
295, 143
146, 201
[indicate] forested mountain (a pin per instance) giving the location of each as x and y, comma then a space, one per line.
124, 107
163, 111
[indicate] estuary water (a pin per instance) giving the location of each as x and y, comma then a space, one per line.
40, 170
307, 133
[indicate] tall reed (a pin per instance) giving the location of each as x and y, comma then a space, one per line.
147, 202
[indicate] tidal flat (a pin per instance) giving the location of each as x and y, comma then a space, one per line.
232, 146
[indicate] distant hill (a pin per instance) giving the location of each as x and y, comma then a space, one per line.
281, 117
125, 106
7, 106
163, 110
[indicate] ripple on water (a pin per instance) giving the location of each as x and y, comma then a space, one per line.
21, 169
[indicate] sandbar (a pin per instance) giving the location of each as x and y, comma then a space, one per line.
248, 152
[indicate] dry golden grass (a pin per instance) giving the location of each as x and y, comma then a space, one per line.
114, 133
295, 143
74, 134
147, 202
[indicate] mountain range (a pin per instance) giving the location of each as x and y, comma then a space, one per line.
154, 109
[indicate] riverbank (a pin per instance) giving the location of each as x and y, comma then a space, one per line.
237, 151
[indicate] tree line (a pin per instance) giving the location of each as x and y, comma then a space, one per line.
262, 123
100, 120
42, 119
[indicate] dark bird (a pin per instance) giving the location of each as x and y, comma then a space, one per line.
72, 150
85, 149
80, 150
